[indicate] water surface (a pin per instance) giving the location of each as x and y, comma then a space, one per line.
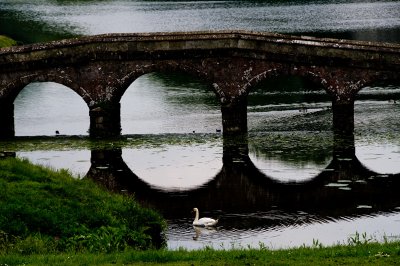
364, 20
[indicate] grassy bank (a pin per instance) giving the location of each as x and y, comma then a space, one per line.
359, 254
44, 211
6, 41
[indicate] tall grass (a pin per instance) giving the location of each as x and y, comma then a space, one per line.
45, 211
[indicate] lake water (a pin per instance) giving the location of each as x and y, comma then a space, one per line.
291, 190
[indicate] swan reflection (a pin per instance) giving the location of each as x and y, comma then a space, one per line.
203, 231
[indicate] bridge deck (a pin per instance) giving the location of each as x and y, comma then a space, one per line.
173, 41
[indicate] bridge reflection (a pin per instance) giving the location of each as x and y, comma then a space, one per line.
240, 187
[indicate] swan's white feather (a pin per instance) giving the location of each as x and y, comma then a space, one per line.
205, 221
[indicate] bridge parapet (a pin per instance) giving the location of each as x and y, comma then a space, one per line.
294, 47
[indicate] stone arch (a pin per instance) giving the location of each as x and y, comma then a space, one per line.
69, 113
305, 73
192, 80
15, 87
380, 78
163, 67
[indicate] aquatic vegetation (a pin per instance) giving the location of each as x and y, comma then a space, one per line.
300, 146
126, 141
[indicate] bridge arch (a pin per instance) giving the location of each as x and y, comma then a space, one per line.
379, 79
165, 67
306, 74
169, 102
14, 88
49, 108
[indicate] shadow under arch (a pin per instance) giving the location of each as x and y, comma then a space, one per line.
49, 108
240, 187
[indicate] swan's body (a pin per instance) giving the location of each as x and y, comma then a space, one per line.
205, 221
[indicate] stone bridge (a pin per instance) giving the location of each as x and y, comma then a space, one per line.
100, 69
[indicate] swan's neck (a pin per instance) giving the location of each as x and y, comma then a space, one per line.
196, 218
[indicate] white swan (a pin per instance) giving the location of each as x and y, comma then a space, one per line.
204, 222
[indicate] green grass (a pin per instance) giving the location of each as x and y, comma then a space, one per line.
6, 41
44, 211
361, 254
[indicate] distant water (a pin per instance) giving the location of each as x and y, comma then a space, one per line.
361, 20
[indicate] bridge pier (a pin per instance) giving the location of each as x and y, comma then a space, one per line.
7, 128
105, 120
343, 128
234, 118
234, 123
235, 149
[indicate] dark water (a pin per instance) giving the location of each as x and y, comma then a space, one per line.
292, 189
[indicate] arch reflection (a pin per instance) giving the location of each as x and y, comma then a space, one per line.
240, 187
291, 158
178, 168
376, 118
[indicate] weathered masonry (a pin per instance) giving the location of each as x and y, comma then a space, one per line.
100, 68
